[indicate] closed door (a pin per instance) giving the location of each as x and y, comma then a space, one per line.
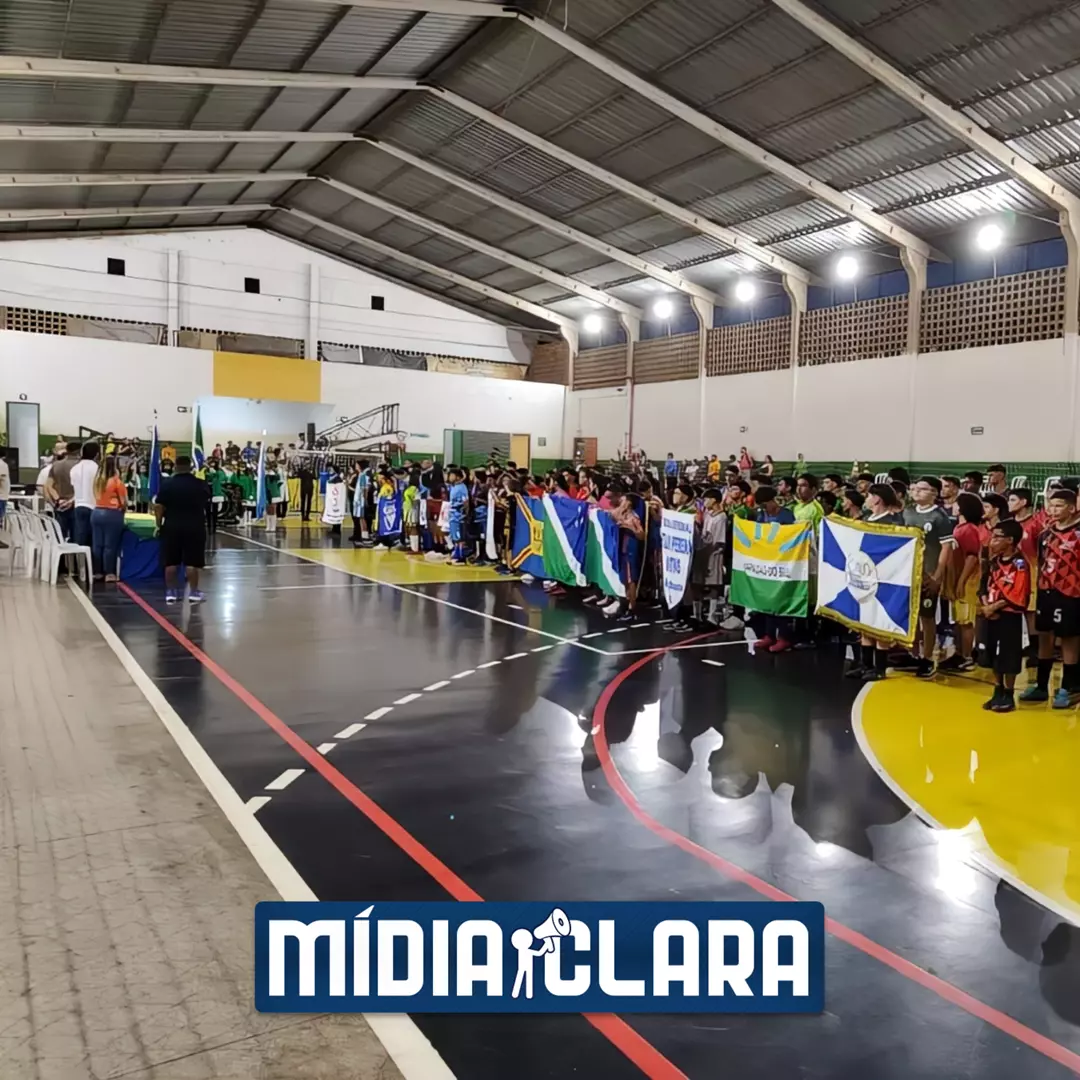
520, 450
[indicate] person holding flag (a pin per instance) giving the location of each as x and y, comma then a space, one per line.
261, 504
198, 453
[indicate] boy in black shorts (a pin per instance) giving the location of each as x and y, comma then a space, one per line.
1057, 604
1003, 604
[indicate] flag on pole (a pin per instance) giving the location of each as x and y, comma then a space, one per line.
198, 451
155, 466
260, 484
491, 549
869, 577
527, 538
564, 539
602, 553
770, 567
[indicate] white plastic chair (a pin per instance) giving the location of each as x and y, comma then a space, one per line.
1018, 482
13, 538
34, 542
58, 548
881, 478
1051, 483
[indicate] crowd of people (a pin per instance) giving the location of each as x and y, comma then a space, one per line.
996, 567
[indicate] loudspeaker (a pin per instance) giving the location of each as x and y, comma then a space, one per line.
311, 436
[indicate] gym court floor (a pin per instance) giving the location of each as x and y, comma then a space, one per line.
399, 729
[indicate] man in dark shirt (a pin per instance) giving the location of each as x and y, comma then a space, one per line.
180, 510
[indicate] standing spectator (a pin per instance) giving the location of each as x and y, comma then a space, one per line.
800, 466
973, 481
950, 488
84, 500
107, 518
965, 591
937, 529
769, 467
712, 471
58, 489
180, 510
5, 486
746, 462
997, 480
785, 490
1004, 603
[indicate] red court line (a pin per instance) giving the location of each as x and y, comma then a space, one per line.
625, 1039
953, 994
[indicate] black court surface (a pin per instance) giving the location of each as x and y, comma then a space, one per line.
464, 739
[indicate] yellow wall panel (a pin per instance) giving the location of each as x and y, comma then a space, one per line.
281, 378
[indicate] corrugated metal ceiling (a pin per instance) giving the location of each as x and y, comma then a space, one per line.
1015, 68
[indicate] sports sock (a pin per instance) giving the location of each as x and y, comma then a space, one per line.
1043, 674
868, 656
881, 660
414, 543
1070, 677
696, 607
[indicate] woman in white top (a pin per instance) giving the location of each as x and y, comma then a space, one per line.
82, 481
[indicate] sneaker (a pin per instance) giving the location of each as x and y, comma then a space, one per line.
904, 661
1065, 699
994, 700
590, 599
547, 586
528, 579
627, 617
765, 642
732, 622
873, 675
1035, 693
1005, 703
196, 596
925, 670
952, 663
856, 671
683, 626
557, 590
780, 646
966, 665
612, 607
170, 596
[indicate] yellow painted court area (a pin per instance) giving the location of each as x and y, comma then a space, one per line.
1009, 781
395, 567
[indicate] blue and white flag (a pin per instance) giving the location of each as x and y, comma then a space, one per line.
869, 577
449, 957
677, 538
388, 522
602, 553
155, 467
260, 482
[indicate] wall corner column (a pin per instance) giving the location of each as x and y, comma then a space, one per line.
1070, 231
632, 327
798, 293
706, 315
915, 266
172, 296
311, 346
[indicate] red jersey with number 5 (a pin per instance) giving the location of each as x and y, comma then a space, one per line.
1059, 560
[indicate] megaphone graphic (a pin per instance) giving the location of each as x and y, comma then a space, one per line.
556, 925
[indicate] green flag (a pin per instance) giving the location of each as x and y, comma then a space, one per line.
770, 567
198, 450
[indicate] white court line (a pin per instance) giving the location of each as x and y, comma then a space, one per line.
471, 671
336, 585
490, 663
257, 802
324, 748
675, 648
598, 633
378, 714
619, 630
411, 1051
407, 699
436, 686
350, 731
515, 656
281, 782
542, 648
413, 592
516, 607
715, 663
639, 625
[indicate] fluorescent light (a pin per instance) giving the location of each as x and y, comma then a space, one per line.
593, 324
990, 237
662, 309
745, 291
847, 267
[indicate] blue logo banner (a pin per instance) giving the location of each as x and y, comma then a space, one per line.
389, 520
450, 957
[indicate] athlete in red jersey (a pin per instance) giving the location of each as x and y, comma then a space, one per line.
1002, 605
1057, 608
1032, 521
